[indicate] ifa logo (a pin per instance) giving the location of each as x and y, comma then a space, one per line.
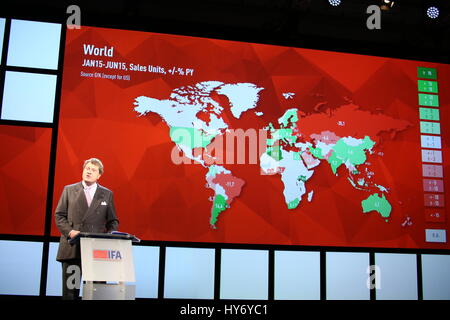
107, 255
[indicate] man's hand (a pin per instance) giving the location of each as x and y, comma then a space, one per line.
73, 234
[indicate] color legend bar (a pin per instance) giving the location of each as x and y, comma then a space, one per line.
431, 151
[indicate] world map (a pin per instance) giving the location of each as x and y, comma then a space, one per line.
299, 142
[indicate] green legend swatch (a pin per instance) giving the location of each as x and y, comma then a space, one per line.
429, 114
429, 100
430, 127
427, 86
426, 73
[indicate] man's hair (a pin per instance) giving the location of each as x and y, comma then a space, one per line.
96, 162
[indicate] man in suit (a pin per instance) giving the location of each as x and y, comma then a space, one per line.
83, 207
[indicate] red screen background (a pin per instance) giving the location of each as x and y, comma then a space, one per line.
24, 169
159, 200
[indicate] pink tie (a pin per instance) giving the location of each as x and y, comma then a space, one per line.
88, 196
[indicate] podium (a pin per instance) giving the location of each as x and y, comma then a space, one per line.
107, 265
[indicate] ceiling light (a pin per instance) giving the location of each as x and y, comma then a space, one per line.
433, 12
334, 3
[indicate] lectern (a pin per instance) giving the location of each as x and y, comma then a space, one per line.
107, 265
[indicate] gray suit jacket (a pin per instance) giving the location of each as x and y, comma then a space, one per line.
73, 213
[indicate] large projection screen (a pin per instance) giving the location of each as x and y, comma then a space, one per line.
230, 142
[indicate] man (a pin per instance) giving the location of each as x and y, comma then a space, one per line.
83, 207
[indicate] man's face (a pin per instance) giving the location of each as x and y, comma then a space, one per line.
91, 173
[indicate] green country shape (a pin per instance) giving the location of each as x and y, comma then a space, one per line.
274, 152
293, 204
378, 204
269, 127
283, 134
297, 155
219, 205
335, 162
316, 152
289, 116
356, 155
